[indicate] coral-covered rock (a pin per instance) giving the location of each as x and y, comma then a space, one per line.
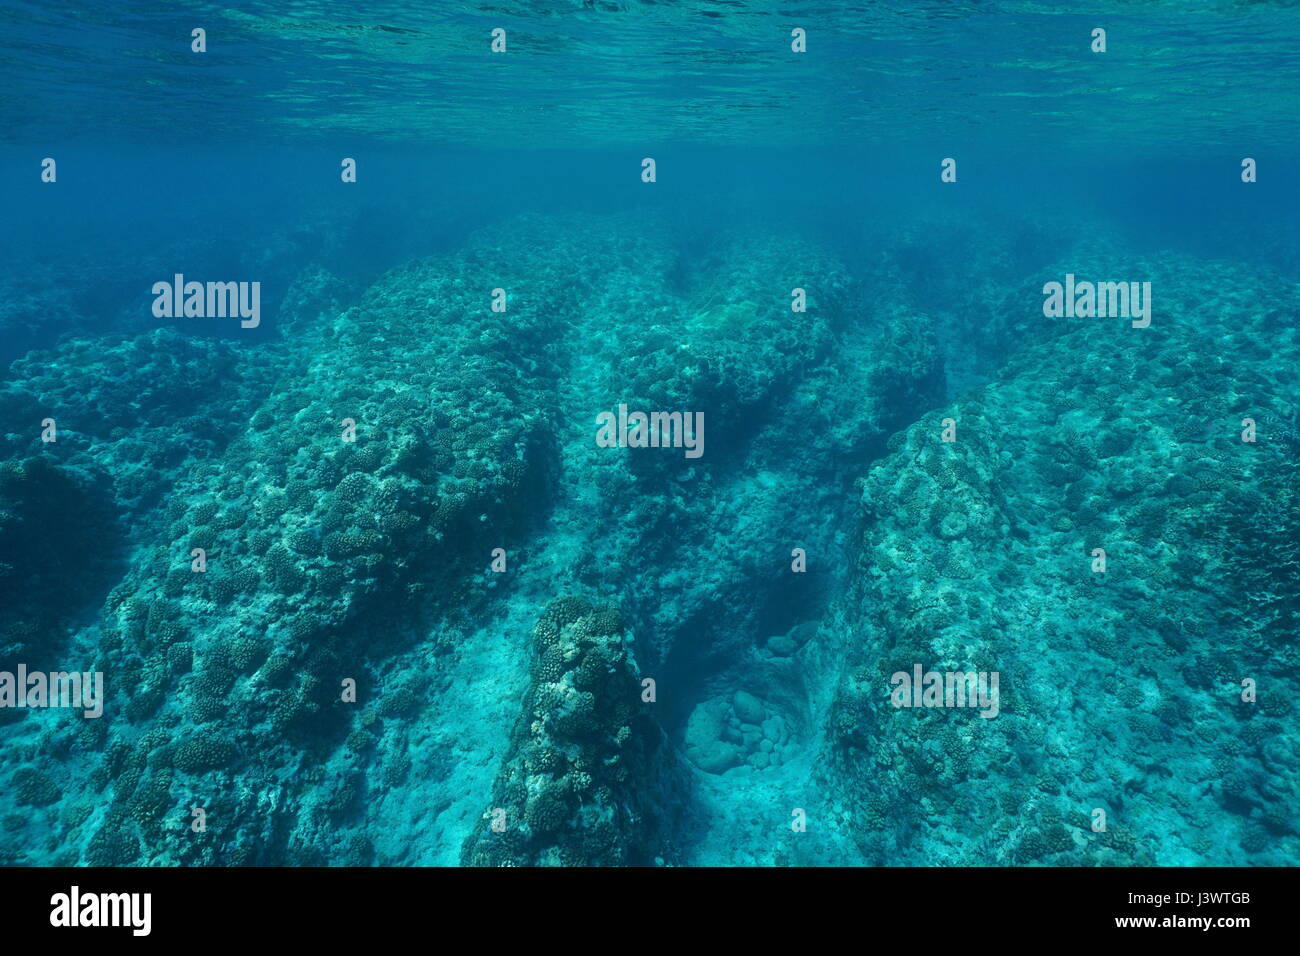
590, 779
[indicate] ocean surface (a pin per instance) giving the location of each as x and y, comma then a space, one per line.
712, 433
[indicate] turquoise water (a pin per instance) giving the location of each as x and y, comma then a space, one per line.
575, 454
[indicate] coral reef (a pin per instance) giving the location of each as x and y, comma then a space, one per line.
590, 778
1122, 686
307, 562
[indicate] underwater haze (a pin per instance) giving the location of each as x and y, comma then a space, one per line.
656, 434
